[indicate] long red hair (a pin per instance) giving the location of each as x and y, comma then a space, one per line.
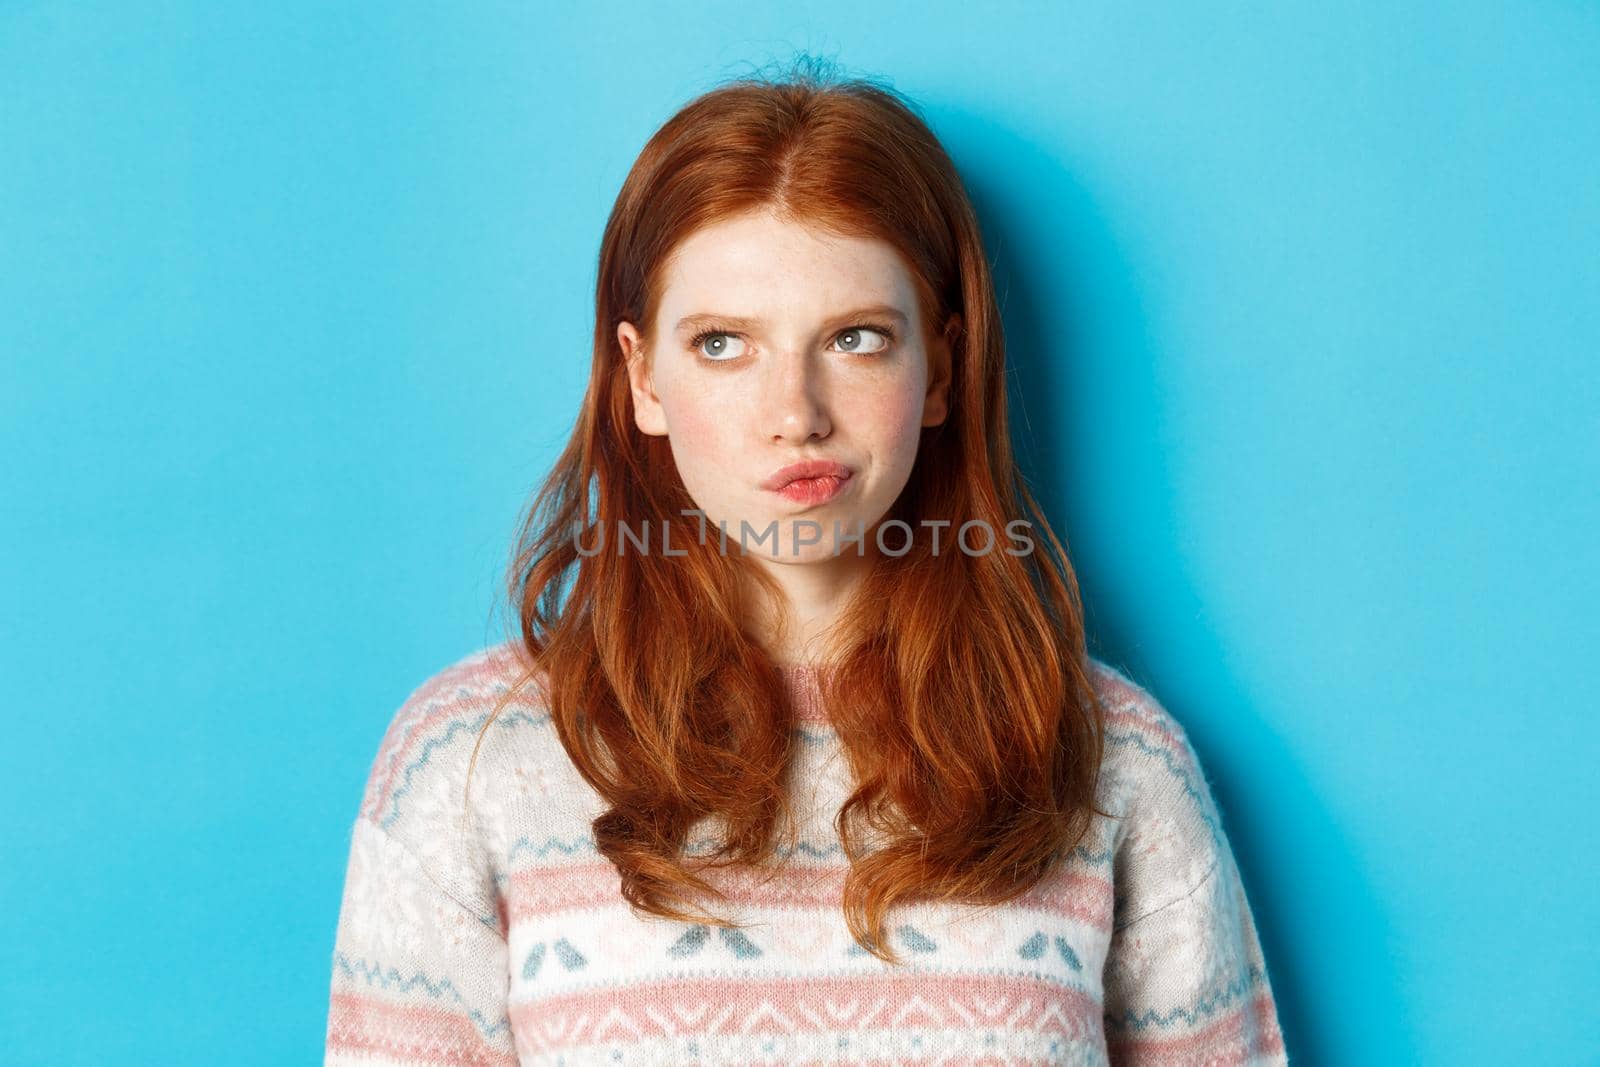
958, 683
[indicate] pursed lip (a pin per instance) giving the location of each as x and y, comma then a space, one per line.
811, 468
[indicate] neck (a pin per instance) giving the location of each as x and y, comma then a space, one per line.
793, 629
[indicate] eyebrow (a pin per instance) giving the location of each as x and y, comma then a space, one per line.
707, 320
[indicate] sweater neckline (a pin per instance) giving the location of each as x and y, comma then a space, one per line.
803, 683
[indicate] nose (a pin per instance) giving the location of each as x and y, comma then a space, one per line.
794, 402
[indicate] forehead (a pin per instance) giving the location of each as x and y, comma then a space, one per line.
758, 264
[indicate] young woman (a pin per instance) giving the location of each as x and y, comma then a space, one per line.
799, 755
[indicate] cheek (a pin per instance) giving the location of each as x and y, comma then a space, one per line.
695, 432
895, 416
690, 428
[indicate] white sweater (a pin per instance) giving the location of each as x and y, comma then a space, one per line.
504, 939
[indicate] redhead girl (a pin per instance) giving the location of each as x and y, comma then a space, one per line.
799, 755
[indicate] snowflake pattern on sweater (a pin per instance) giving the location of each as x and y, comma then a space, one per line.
495, 934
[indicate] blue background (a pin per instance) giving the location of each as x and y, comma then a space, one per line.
295, 311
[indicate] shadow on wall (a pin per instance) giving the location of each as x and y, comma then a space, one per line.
1042, 230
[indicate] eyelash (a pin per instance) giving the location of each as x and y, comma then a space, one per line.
877, 327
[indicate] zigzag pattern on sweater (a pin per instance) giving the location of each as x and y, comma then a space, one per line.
1178, 771
391, 980
527, 848
1202, 1010
834, 1005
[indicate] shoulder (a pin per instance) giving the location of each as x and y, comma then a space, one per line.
1142, 736
415, 788
1169, 835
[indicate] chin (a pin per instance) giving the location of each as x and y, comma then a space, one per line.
799, 526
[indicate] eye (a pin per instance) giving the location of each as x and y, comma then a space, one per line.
865, 339
719, 345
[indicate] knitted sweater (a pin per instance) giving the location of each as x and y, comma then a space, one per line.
506, 941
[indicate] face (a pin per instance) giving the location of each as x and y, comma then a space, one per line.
775, 344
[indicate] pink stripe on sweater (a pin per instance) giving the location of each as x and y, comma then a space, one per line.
1112, 688
734, 1006
419, 1033
1244, 1035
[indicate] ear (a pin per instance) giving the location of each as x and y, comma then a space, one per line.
647, 412
936, 403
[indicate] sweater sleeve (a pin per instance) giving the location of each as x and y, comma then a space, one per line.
1186, 983
420, 960
419, 977
1184, 979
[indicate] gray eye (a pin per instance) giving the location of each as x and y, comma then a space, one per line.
720, 346
862, 339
